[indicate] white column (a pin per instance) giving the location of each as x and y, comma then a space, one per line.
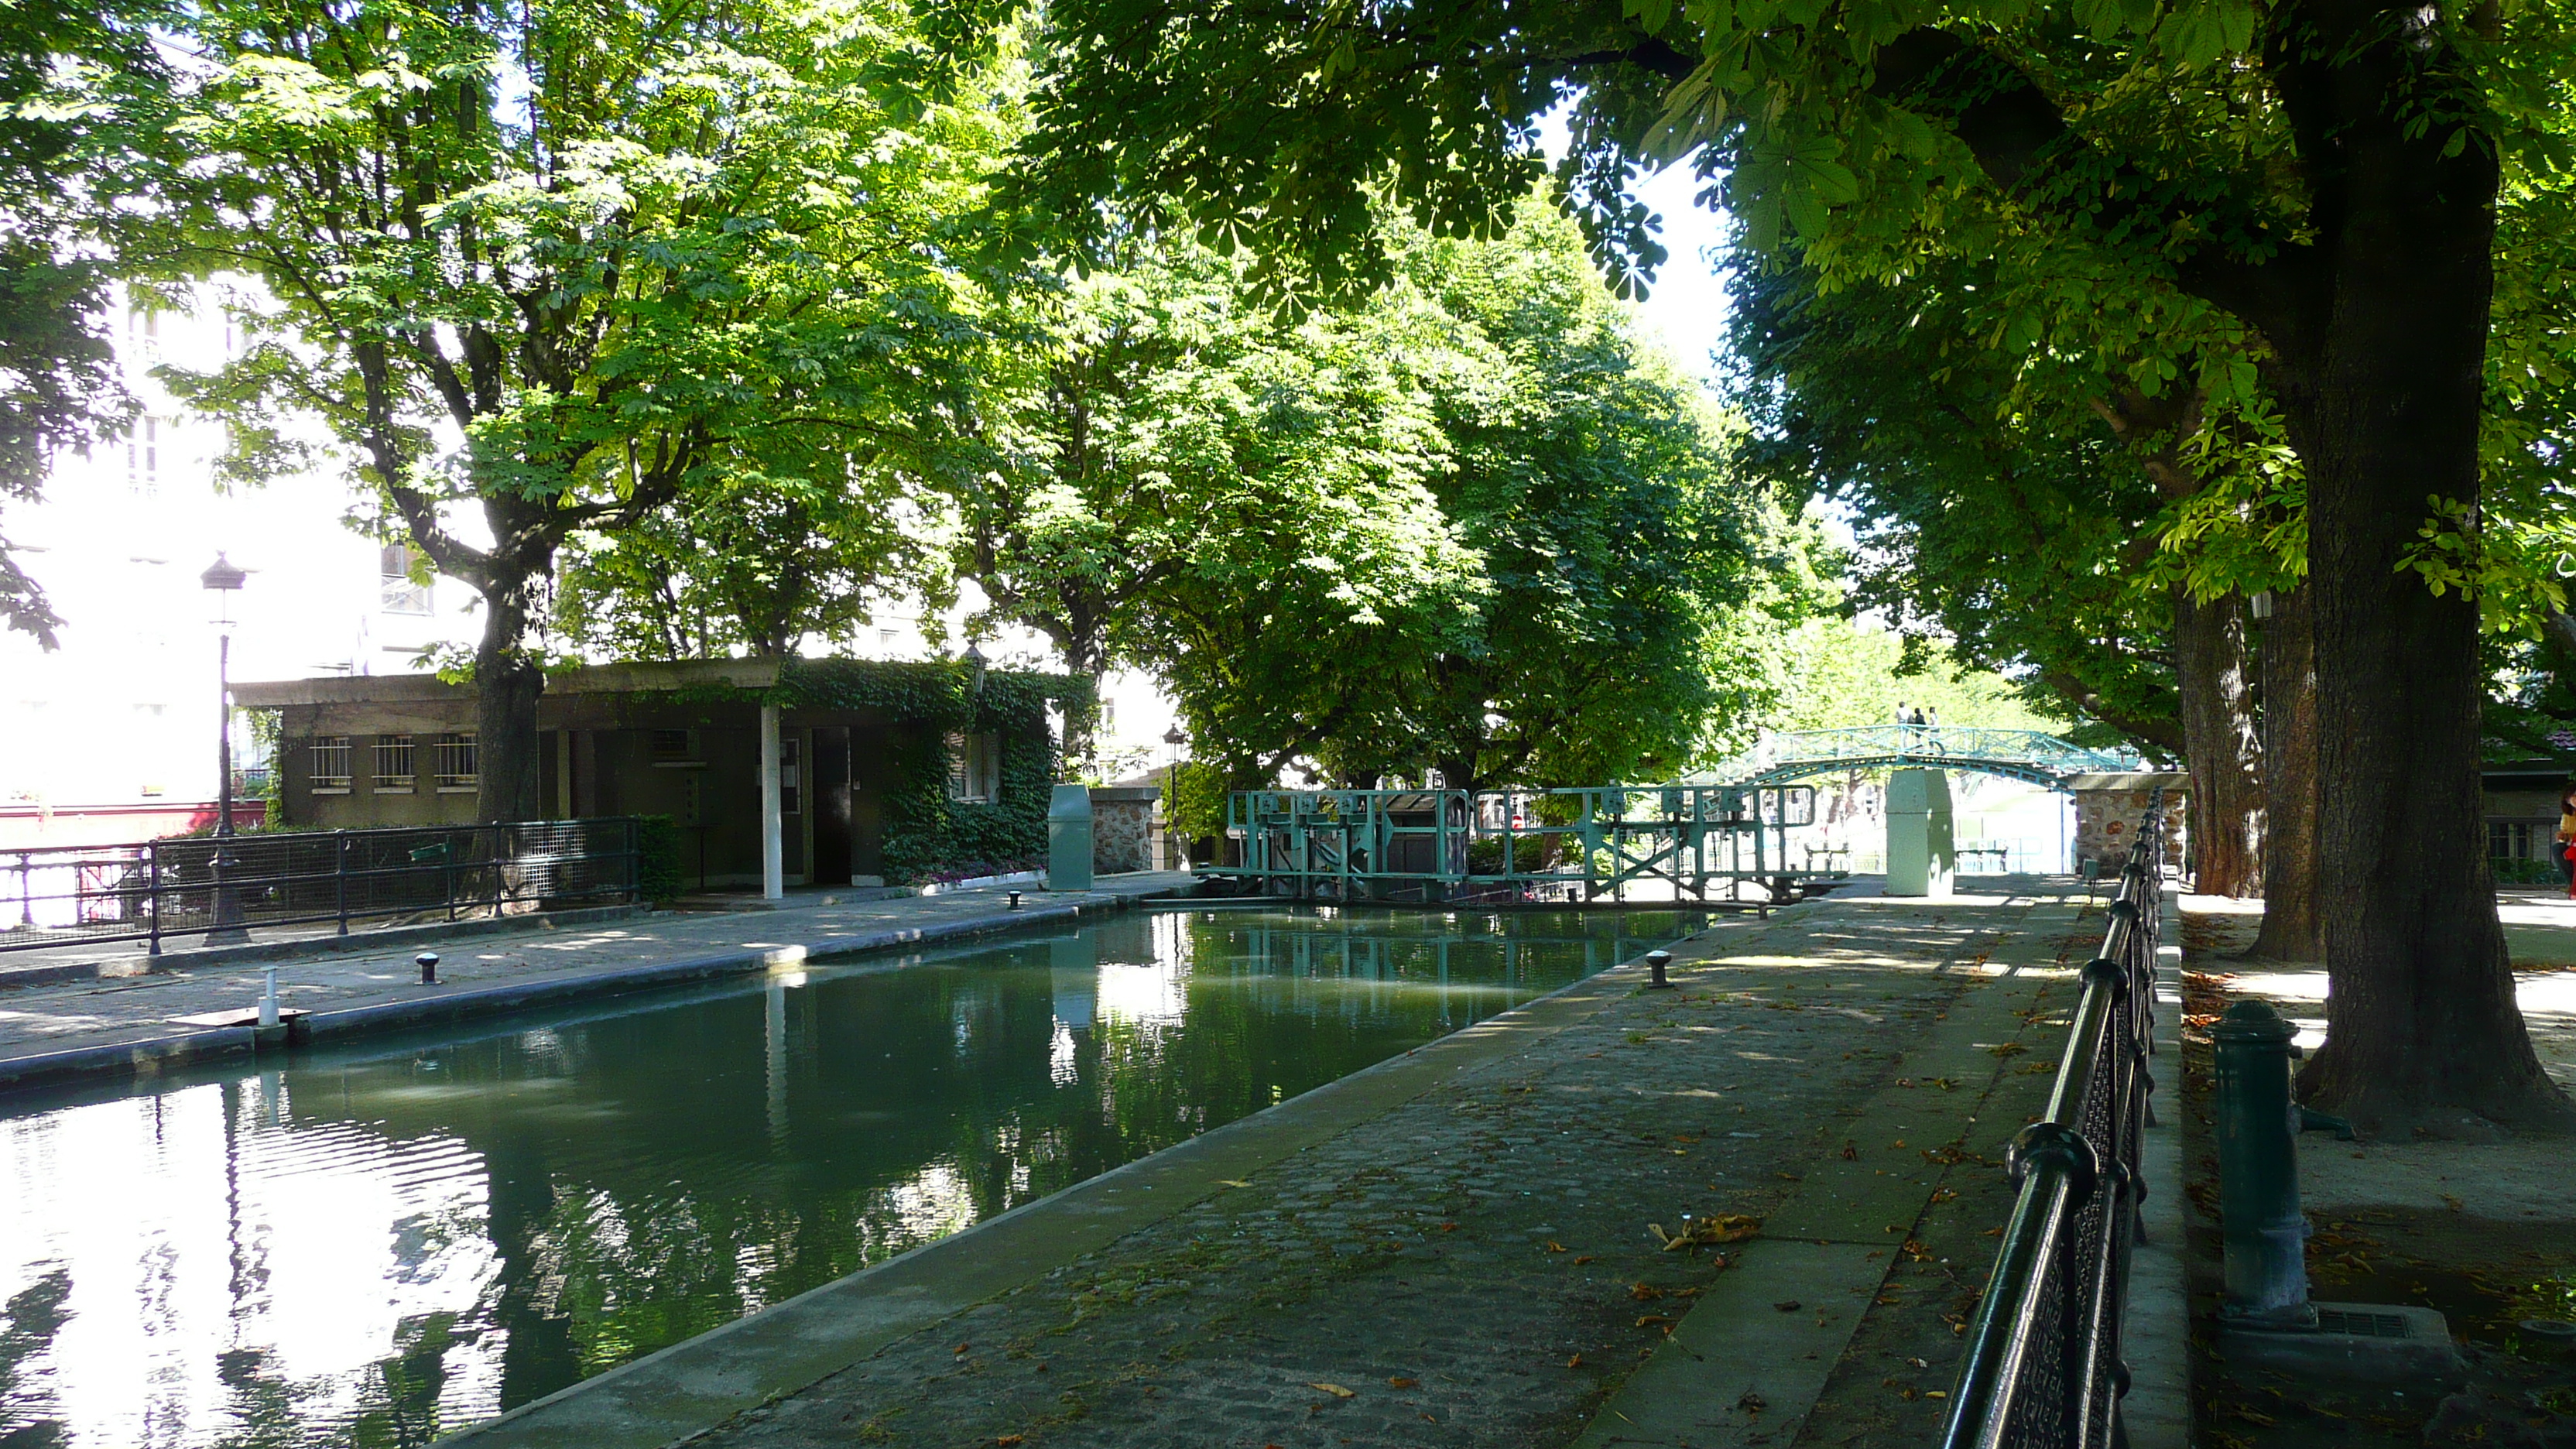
773, 847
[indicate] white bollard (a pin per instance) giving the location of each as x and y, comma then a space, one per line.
268, 999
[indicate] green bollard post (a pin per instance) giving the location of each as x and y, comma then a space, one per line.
1069, 839
2258, 1172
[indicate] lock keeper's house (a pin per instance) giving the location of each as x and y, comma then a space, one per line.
889, 773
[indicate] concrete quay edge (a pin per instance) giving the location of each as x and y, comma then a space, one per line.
151, 1053
142, 963
694, 1385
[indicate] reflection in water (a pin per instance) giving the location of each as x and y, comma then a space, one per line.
382, 1243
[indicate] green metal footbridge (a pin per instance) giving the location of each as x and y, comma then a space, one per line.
2028, 755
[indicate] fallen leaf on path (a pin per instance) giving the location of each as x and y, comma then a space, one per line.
1586, 1258
1403, 1383
1575, 1362
1648, 1320
1788, 1305
2008, 1049
1753, 1403
1644, 1292
961, 1348
1336, 1390
1554, 1246
1231, 1182
1007, 1441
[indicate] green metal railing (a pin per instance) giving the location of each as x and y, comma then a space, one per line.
2043, 1367
1582, 843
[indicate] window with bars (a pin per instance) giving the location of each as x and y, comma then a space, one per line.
394, 762
398, 587
975, 768
454, 758
330, 762
791, 757
672, 747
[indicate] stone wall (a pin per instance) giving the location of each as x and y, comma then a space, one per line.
1122, 828
2108, 809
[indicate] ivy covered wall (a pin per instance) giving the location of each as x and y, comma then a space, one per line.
927, 835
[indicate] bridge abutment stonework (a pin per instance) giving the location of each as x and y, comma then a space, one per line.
2109, 806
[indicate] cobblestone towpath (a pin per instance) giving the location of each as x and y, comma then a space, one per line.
1467, 1251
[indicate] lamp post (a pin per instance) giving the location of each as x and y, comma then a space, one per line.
224, 578
1172, 742
973, 659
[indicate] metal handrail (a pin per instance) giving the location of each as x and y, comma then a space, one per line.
152, 890
2043, 1366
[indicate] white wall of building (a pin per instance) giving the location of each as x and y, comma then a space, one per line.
126, 709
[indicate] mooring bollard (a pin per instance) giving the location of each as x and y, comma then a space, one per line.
427, 961
1656, 961
268, 997
2258, 1170
1015, 900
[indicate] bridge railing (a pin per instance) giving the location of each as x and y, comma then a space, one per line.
2025, 752
2043, 1367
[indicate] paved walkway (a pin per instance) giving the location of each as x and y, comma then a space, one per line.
63, 1029
1455, 1247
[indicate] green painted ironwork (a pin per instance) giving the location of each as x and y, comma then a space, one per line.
1585, 843
2029, 755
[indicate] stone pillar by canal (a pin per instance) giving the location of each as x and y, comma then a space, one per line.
2108, 808
1122, 827
1920, 856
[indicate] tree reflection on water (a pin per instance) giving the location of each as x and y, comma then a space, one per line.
379, 1244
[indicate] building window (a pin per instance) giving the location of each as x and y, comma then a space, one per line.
2512, 840
1108, 716
143, 460
393, 762
402, 592
330, 762
790, 775
457, 769
975, 768
675, 747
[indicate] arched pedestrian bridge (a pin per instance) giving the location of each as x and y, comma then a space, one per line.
2040, 759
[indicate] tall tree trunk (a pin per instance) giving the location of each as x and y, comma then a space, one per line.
2381, 380
507, 681
2220, 744
2292, 928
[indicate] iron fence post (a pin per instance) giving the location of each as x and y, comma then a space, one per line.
152, 891
447, 874
340, 878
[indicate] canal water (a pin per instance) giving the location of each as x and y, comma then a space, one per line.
378, 1243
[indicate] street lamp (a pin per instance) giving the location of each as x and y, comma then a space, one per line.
973, 659
223, 578
1172, 742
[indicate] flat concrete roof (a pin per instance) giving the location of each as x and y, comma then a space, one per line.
588, 679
